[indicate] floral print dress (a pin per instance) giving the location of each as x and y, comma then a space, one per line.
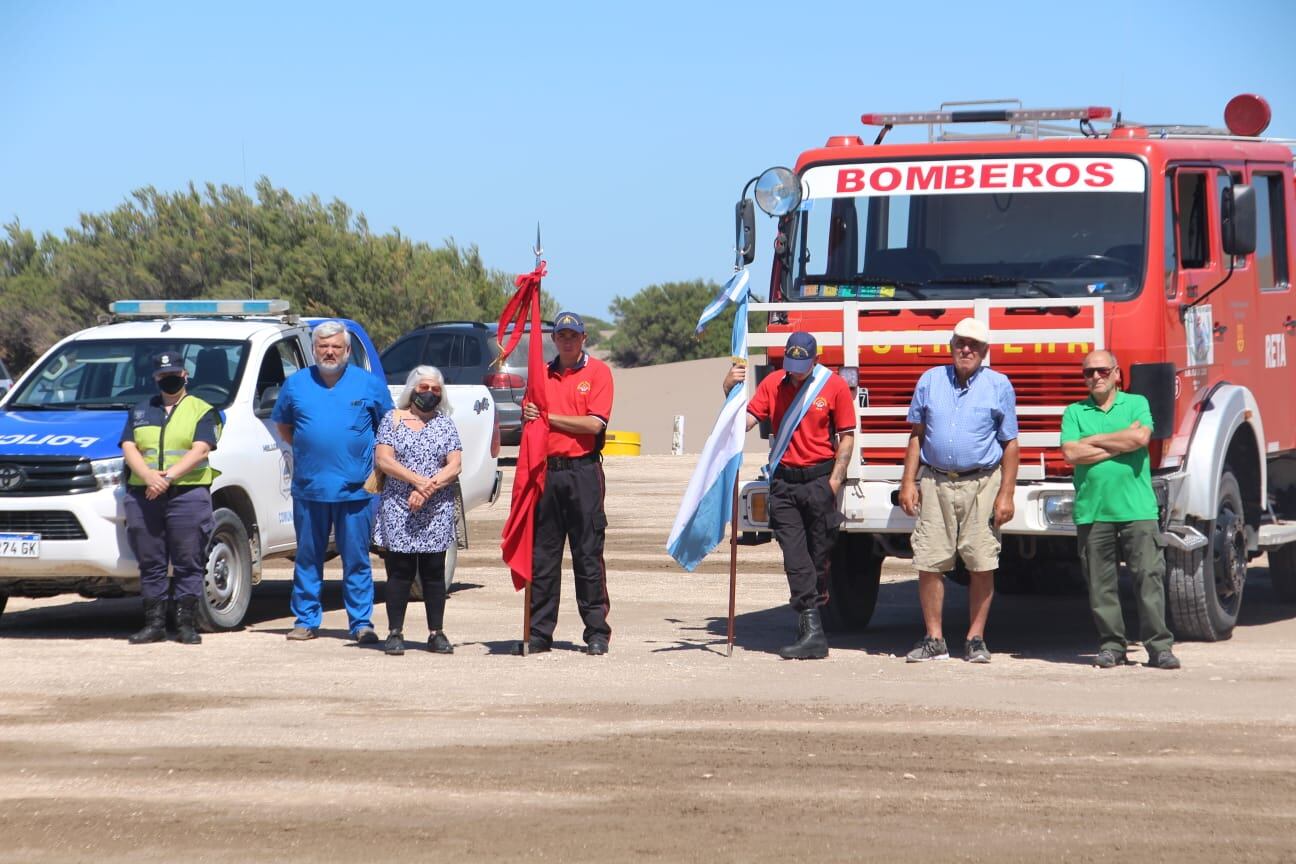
431, 528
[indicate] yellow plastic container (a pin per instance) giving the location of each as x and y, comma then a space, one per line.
621, 443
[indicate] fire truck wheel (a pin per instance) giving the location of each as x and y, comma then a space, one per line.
1282, 572
227, 585
1204, 587
854, 575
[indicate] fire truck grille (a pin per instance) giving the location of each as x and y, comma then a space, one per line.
50, 524
1052, 387
26, 476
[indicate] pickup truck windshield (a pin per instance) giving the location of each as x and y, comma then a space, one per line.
115, 374
860, 243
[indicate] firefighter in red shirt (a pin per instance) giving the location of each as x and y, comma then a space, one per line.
803, 510
579, 388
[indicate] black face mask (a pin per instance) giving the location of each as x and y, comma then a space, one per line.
171, 384
426, 401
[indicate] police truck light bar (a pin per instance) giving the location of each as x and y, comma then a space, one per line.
196, 308
1002, 115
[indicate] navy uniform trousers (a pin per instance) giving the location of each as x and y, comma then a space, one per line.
173, 529
570, 510
804, 518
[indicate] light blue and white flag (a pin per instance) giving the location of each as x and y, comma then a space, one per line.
734, 290
707, 507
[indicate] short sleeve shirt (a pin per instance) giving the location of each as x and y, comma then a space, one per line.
832, 412
584, 390
966, 427
1118, 489
333, 431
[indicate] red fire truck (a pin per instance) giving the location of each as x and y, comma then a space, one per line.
1063, 230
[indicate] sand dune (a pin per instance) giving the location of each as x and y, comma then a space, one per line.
649, 397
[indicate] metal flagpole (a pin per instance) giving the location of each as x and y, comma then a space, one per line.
526, 594
733, 567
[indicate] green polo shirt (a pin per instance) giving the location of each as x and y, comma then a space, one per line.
1118, 489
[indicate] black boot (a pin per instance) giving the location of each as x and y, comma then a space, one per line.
187, 621
811, 642
154, 623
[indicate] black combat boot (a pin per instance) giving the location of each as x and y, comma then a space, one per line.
187, 621
811, 642
154, 623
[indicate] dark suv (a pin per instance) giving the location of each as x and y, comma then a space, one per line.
464, 352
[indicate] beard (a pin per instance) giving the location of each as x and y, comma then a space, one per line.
331, 368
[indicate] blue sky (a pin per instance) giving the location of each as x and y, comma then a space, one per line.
627, 130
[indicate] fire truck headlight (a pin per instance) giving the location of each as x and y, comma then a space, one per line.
1059, 508
109, 473
778, 191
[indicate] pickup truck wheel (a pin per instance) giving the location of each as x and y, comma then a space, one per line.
227, 585
1282, 572
1204, 586
854, 575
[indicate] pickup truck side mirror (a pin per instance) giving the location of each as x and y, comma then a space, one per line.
266, 401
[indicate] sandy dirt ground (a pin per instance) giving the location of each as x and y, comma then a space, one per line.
250, 748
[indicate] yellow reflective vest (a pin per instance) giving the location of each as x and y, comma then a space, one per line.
163, 446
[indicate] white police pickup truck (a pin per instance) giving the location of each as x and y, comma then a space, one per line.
62, 523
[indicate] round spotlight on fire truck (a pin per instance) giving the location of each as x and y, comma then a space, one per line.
778, 191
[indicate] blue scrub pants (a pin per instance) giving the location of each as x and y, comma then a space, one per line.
352, 526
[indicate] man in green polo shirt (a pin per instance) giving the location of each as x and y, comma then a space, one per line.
1105, 438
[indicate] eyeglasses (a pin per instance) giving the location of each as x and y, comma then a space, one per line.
1100, 371
969, 345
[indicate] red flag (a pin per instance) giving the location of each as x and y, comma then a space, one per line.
529, 476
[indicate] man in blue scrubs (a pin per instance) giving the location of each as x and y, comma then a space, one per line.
330, 413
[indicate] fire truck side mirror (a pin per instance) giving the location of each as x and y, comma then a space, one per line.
1238, 219
1156, 383
745, 229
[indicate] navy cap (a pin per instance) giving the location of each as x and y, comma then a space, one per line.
569, 321
801, 353
167, 361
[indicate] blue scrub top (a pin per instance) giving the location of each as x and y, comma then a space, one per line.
334, 429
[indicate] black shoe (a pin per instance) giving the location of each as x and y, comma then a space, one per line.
597, 646
187, 621
1109, 659
1163, 659
535, 645
395, 644
366, 636
811, 642
439, 643
154, 629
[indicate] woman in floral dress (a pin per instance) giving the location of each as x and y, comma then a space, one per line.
420, 453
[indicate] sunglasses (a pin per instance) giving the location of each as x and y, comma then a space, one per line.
1100, 371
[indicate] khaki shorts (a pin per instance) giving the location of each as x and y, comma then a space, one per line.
956, 517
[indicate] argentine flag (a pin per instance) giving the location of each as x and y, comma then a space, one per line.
708, 502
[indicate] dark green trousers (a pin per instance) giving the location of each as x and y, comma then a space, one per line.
1103, 545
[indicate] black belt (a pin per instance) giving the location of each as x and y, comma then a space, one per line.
959, 475
803, 475
562, 463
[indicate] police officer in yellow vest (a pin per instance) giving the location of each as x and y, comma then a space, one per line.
168, 498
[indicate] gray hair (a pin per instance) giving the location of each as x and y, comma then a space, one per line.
1111, 354
325, 329
417, 374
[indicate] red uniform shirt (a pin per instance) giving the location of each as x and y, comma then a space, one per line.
833, 411
584, 390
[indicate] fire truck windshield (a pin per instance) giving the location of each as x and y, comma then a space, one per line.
956, 245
